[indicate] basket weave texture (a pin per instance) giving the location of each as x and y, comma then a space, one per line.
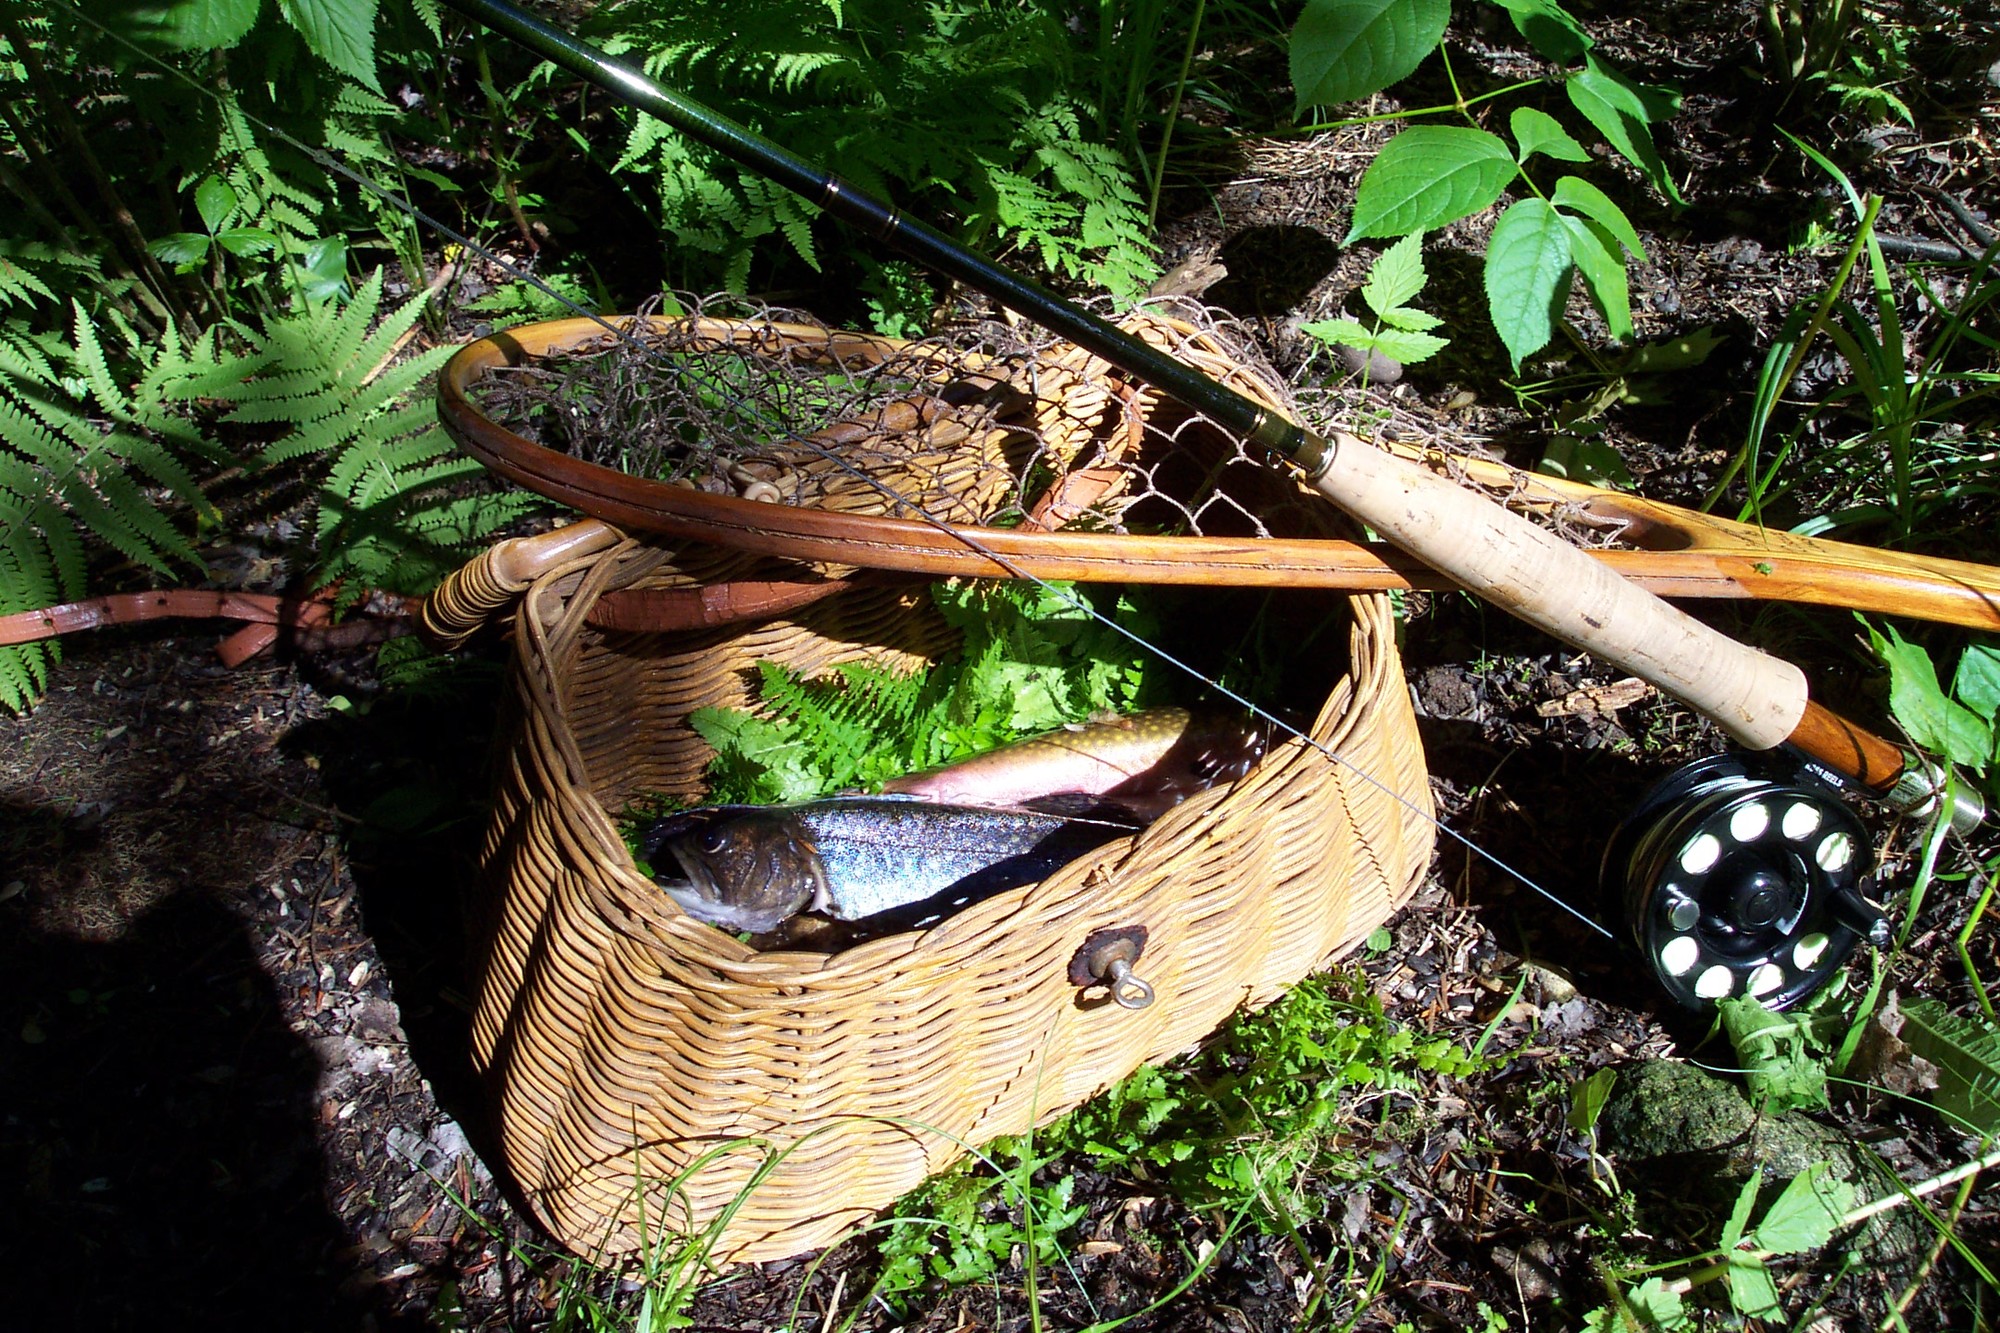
650, 1072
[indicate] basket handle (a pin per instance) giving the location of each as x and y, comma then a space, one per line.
487, 585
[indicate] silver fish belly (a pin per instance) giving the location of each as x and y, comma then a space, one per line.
884, 853
858, 857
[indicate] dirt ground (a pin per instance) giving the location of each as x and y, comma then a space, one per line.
234, 1089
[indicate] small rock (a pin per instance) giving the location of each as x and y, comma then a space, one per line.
1555, 987
1377, 368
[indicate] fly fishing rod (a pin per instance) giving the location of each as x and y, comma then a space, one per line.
1745, 877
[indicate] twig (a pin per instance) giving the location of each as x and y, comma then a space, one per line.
1917, 1191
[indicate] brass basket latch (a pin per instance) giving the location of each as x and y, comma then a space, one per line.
1106, 959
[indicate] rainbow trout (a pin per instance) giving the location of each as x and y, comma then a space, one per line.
1142, 764
752, 867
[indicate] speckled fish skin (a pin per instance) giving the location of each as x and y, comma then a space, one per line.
854, 857
1145, 762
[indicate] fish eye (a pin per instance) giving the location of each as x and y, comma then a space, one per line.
714, 840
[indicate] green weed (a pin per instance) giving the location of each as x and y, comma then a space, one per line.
1430, 176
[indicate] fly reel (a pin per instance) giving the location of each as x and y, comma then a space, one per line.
1736, 883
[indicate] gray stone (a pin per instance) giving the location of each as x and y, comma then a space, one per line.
1688, 1137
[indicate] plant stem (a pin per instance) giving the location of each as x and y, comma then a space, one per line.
1461, 104
1965, 951
1173, 113
1806, 340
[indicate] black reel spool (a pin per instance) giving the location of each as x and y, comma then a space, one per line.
1737, 883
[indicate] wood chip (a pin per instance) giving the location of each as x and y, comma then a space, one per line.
1596, 700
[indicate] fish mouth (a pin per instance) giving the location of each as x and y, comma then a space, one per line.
701, 897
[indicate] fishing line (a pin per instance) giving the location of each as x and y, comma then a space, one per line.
1067, 596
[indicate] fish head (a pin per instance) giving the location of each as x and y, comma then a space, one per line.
1218, 748
1212, 750
746, 870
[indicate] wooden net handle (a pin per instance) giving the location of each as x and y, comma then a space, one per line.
1532, 573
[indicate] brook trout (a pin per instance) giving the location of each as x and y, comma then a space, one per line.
1144, 764
751, 867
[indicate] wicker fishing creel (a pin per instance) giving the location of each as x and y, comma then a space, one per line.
649, 1073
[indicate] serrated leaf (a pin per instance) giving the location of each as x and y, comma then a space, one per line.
1430, 177
1657, 1303
1936, 723
1407, 345
1804, 1216
1603, 268
1410, 318
181, 247
1527, 276
1548, 28
1346, 332
1396, 275
1537, 131
246, 241
1580, 196
1346, 49
1977, 680
215, 201
1967, 1055
340, 32
1623, 113
183, 25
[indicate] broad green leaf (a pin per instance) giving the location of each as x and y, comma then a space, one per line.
1805, 1215
340, 32
1587, 1098
1603, 268
181, 247
1623, 113
183, 25
215, 201
1669, 354
1410, 318
1397, 275
1591, 461
1751, 1290
1977, 680
1527, 276
1580, 196
1429, 177
1932, 720
1347, 49
1548, 28
1539, 132
1408, 345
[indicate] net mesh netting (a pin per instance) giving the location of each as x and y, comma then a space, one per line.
987, 423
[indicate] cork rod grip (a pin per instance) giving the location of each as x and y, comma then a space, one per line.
1535, 575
